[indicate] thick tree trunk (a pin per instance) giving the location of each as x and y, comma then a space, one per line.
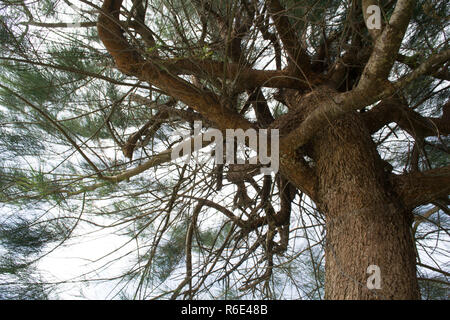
366, 223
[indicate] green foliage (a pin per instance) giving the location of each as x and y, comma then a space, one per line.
18, 140
434, 289
20, 237
213, 238
76, 58
21, 285
35, 84
21, 241
431, 19
48, 8
170, 253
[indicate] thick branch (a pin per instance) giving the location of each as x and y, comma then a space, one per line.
374, 33
413, 63
130, 62
244, 77
334, 105
420, 188
389, 110
287, 35
299, 174
428, 67
386, 46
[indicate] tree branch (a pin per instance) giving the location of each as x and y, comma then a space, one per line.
86, 24
386, 47
412, 62
418, 188
391, 110
160, 158
244, 77
148, 129
291, 43
130, 62
338, 104
55, 123
374, 33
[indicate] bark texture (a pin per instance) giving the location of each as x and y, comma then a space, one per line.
366, 222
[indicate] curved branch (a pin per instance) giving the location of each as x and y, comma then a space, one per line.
338, 104
160, 158
130, 62
390, 110
148, 129
237, 220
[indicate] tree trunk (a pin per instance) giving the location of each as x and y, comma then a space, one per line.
366, 222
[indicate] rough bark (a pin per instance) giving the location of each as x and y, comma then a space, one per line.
366, 221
